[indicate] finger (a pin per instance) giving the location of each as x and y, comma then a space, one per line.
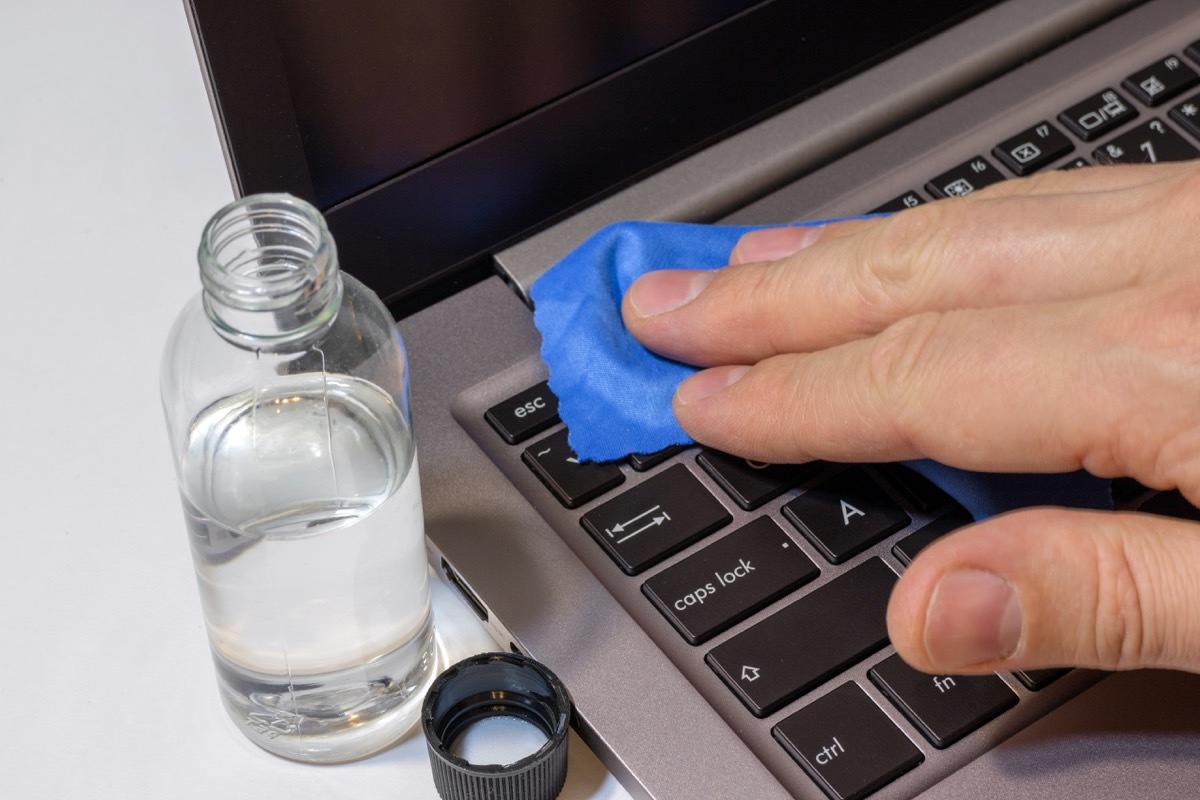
773, 244
1053, 587
1106, 384
1003, 251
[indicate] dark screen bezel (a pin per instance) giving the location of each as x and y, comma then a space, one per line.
421, 235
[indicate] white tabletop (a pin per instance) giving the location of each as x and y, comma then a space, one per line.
109, 167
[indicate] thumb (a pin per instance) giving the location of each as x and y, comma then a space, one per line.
1053, 587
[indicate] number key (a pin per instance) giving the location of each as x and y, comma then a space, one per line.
1149, 143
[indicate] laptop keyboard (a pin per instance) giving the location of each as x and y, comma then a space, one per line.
777, 577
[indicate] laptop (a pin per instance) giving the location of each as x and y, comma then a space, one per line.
459, 149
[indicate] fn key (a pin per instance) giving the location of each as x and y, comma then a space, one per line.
847, 744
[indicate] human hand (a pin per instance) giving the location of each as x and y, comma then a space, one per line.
1040, 325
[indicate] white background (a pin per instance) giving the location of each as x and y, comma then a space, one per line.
109, 168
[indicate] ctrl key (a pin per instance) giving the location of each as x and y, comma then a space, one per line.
847, 744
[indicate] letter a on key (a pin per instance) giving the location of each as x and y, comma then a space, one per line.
849, 511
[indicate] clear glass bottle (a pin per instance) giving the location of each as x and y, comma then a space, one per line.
285, 386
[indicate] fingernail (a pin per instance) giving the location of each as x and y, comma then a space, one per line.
707, 383
772, 244
974, 617
665, 290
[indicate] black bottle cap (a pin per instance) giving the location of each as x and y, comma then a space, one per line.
490, 685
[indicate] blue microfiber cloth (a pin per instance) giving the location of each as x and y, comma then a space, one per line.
615, 395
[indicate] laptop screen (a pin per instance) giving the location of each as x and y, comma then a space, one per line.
432, 134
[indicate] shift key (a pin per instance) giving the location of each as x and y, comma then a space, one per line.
806, 643
729, 580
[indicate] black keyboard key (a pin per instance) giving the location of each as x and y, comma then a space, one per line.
919, 491
1193, 51
909, 199
729, 580
806, 643
647, 461
658, 517
753, 483
1038, 679
944, 708
572, 482
964, 179
1033, 149
1159, 82
1097, 115
845, 515
847, 744
908, 547
1187, 115
1150, 143
524, 415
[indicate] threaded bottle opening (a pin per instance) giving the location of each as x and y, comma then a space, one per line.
269, 269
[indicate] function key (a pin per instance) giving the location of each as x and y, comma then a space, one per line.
845, 515
1149, 143
658, 517
1159, 82
753, 483
847, 744
729, 580
1033, 149
573, 482
809, 641
909, 199
1097, 115
964, 179
524, 415
1187, 114
945, 708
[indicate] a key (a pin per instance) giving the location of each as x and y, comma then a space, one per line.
643, 462
944, 708
909, 199
804, 644
1187, 115
573, 482
924, 495
1159, 82
524, 415
1149, 143
729, 580
1033, 149
753, 483
655, 519
845, 515
1037, 679
964, 179
1097, 115
847, 744
908, 547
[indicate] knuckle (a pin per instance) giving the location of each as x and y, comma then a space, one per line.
895, 262
898, 363
1127, 632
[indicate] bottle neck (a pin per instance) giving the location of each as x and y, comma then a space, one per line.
269, 270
